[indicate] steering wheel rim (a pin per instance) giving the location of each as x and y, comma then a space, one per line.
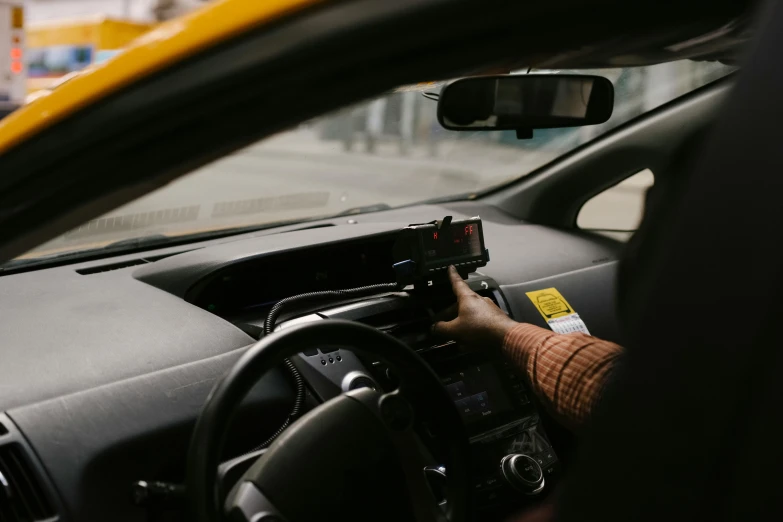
209, 434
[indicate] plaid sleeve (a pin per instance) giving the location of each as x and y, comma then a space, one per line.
566, 371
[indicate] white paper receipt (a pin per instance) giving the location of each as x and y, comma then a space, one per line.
557, 312
568, 324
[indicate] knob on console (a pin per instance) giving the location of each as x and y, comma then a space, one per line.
523, 473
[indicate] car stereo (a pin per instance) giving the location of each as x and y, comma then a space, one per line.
486, 392
511, 456
423, 252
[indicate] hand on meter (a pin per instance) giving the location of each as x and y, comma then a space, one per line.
473, 320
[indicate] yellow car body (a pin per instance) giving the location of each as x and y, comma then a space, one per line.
165, 45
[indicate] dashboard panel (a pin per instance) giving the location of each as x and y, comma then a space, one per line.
107, 363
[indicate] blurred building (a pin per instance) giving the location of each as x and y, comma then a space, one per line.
140, 10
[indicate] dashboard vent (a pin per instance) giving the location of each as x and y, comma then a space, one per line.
122, 264
22, 497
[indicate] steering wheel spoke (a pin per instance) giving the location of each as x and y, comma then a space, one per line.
414, 460
397, 414
249, 504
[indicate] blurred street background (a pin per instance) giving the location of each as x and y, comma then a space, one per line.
386, 152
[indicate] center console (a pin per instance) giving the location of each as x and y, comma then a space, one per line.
512, 458
511, 454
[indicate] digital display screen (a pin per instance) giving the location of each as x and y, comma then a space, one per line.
477, 392
463, 241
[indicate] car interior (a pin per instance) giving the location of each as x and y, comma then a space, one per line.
290, 372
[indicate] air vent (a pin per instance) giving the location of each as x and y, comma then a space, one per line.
22, 498
122, 264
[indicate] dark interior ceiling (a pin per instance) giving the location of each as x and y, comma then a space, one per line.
667, 31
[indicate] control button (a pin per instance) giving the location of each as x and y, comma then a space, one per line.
492, 482
528, 469
457, 390
339, 358
492, 496
549, 457
323, 362
481, 401
523, 473
331, 360
468, 405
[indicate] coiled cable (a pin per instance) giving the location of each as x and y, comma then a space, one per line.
296, 377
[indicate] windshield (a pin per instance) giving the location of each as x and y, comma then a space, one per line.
385, 153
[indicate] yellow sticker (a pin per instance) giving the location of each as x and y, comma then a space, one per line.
550, 303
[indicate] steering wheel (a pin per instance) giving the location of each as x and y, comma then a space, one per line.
355, 457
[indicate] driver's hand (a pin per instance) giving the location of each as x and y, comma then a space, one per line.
474, 320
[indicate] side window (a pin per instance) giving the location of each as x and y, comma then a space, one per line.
617, 211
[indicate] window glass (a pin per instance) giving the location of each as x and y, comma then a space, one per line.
617, 211
382, 153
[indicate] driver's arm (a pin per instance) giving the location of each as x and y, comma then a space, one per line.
567, 372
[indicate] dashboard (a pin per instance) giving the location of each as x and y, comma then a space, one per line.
106, 364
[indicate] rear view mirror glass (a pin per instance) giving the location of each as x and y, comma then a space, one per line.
541, 101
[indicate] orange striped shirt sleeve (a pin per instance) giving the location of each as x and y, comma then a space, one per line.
566, 371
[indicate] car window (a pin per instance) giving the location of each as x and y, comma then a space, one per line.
617, 211
384, 153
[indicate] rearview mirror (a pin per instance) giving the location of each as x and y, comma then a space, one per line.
540, 101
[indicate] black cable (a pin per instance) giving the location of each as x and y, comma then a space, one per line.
269, 326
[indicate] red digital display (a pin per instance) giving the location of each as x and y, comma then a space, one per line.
452, 243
